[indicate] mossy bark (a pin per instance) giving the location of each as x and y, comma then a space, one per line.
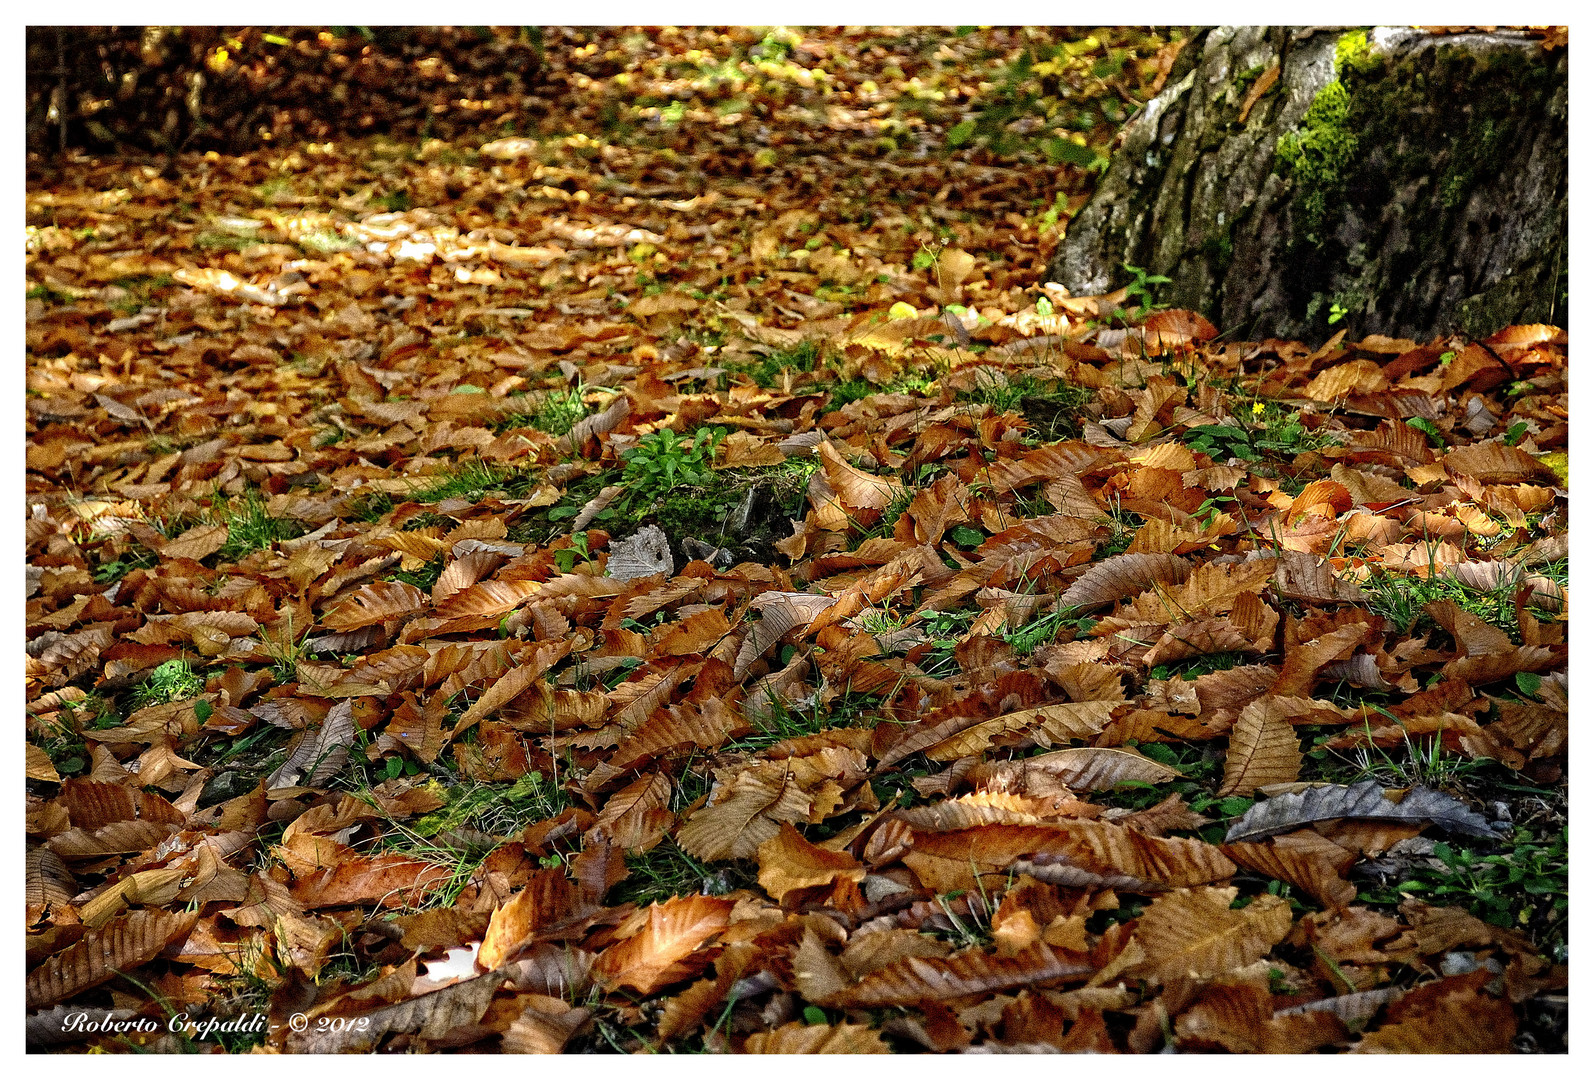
1391, 182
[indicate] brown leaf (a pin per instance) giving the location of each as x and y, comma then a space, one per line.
1241, 1020
547, 899
121, 945
1082, 768
743, 815
487, 599
197, 543
427, 1016
388, 880
1263, 749
962, 736
1304, 859
544, 1027
799, 1038
916, 978
668, 933
789, 862
1194, 933
375, 602
38, 766
1122, 576
1461, 1024
857, 489
637, 816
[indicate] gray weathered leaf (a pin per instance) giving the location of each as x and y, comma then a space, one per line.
645, 552
1365, 800
326, 752
1355, 1009
430, 1016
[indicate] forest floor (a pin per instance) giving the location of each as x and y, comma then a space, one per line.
674, 582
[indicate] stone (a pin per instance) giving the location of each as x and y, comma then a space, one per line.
1296, 182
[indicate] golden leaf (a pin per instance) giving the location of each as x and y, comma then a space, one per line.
669, 933
789, 862
1194, 933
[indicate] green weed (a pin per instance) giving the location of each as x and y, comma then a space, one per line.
768, 372
1523, 887
662, 461
249, 526
172, 681
1403, 600
665, 871
552, 411
1052, 407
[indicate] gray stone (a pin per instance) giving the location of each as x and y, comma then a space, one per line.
1435, 202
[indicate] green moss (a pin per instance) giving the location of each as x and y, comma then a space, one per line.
1353, 53
1477, 110
1318, 153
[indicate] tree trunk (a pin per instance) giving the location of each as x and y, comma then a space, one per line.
1296, 182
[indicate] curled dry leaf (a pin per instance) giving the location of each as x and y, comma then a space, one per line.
1366, 800
790, 862
124, 943
667, 934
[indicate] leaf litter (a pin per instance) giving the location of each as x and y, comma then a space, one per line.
1022, 672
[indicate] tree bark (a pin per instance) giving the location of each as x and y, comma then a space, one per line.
1296, 182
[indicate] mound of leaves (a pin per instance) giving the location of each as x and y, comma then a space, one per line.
1112, 686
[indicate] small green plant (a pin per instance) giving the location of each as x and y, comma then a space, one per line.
1276, 434
1336, 312
1523, 887
1141, 289
250, 527
767, 373
662, 461
1428, 428
172, 681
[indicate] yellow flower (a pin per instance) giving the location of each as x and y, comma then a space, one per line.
1257, 409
